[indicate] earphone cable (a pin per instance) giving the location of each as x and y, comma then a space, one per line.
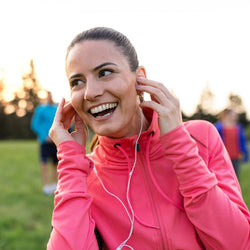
131, 217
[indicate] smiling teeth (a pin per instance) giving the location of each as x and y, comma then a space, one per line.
102, 108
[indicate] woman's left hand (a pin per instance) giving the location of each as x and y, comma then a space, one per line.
163, 102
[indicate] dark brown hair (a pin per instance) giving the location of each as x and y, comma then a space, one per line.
103, 33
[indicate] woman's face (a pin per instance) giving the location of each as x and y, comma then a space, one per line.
103, 88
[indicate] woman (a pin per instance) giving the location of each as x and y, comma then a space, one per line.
157, 183
233, 135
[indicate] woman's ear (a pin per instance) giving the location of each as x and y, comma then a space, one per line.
141, 72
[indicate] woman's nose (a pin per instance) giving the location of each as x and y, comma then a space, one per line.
93, 90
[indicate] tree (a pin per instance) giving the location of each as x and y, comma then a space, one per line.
204, 109
18, 110
28, 97
2, 104
2, 87
206, 102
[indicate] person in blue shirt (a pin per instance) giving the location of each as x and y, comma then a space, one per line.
41, 122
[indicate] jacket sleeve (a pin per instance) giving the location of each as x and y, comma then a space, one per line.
212, 196
73, 226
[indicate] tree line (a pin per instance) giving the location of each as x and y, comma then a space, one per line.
17, 108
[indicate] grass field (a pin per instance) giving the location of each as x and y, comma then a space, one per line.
25, 212
25, 220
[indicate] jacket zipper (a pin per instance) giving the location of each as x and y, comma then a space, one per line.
149, 187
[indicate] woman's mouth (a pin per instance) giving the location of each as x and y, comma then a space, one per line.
103, 110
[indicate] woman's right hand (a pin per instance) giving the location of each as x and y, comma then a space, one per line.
62, 121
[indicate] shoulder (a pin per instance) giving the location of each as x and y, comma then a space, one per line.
54, 105
198, 126
218, 125
40, 106
202, 131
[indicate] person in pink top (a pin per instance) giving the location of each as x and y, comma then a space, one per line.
152, 181
234, 138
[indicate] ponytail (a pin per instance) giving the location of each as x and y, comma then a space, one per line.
94, 143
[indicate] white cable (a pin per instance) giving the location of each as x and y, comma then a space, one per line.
131, 218
128, 186
111, 193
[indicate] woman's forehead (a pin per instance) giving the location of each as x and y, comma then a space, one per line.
91, 53
96, 48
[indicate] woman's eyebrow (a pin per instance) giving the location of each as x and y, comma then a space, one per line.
95, 69
75, 76
103, 64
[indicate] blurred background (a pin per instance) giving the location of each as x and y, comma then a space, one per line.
199, 49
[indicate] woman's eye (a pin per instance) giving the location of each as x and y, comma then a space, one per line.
76, 82
105, 72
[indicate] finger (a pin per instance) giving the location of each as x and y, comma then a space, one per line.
68, 114
153, 84
64, 110
156, 94
68, 110
162, 109
58, 115
151, 105
169, 117
67, 107
69, 118
146, 82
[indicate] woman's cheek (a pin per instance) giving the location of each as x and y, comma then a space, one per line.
75, 101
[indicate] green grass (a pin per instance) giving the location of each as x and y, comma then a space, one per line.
25, 220
25, 212
245, 182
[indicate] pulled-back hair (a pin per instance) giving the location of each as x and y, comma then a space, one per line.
108, 34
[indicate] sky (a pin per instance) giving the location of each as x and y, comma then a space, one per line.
186, 45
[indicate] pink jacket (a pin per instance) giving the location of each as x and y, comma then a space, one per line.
183, 192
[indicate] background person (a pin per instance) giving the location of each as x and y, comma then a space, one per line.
152, 182
41, 122
234, 138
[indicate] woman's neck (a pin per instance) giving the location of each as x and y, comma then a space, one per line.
146, 123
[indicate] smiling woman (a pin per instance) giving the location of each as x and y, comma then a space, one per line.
155, 178
99, 76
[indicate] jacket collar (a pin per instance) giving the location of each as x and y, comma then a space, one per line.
108, 150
